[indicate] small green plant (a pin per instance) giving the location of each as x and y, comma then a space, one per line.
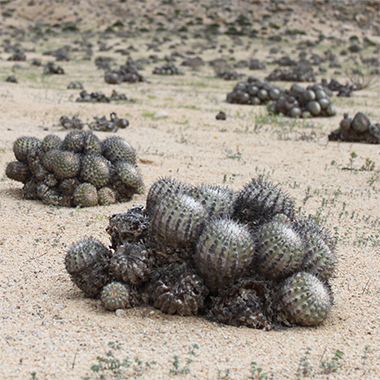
367, 351
111, 367
234, 155
353, 155
304, 368
257, 373
224, 374
369, 165
34, 375
177, 369
374, 178
109, 364
334, 364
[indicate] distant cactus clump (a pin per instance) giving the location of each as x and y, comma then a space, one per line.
243, 259
79, 170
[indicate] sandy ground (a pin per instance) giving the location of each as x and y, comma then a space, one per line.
50, 331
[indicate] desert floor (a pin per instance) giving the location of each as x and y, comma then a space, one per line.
50, 331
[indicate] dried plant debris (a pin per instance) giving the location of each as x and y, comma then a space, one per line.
78, 171
300, 102
112, 125
11, 79
100, 124
343, 90
358, 129
254, 91
243, 259
73, 123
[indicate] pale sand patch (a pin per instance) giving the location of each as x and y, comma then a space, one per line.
49, 328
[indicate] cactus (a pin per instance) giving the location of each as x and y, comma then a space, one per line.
18, 171
106, 196
280, 249
224, 252
360, 123
176, 222
51, 142
185, 254
130, 176
259, 201
85, 195
130, 226
117, 295
23, 145
218, 200
161, 189
95, 170
116, 149
320, 257
87, 263
305, 299
66, 164
74, 141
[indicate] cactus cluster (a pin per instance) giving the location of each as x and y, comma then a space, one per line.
302, 71
53, 68
125, 73
79, 170
99, 97
254, 91
168, 68
241, 258
358, 129
300, 102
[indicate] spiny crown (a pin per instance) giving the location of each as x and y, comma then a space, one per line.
74, 141
218, 200
91, 143
259, 201
51, 142
161, 189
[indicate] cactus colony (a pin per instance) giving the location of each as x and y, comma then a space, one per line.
79, 170
240, 258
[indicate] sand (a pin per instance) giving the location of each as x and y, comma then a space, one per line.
50, 330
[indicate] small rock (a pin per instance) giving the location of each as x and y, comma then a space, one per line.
161, 114
221, 116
